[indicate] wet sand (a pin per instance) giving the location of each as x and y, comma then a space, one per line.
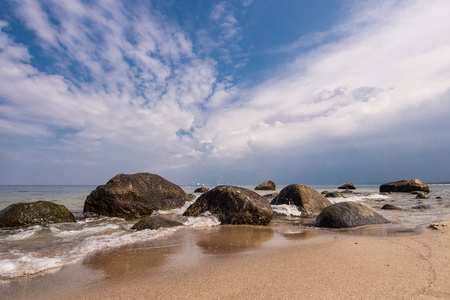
245, 262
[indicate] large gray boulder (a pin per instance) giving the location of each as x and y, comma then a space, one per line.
348, 214
404, 186
40, 212
306, 199
134, 196
233, 205
267, 185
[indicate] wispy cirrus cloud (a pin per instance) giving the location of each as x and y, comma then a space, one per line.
122, 76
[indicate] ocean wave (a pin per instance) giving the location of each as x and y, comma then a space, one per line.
358, 198
56, 245
17, 263
286, 209
206, 220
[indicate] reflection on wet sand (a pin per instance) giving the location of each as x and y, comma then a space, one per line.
385, 230
186, 249
129, 262
228, 239
60, 282
302, 234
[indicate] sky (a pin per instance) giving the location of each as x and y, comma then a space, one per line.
224, 92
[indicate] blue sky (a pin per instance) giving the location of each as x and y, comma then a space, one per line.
224, 92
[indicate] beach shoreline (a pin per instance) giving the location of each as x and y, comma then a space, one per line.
247, 262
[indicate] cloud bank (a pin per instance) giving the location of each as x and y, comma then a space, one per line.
121, 88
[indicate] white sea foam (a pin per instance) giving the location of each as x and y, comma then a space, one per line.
84, 231
207, 220
40, 248
358, 198
26, 264
22, 234
286, 209
70, 246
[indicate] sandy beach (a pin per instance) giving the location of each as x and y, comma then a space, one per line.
247, 262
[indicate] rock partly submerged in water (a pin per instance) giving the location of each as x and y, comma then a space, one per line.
348, 214
390, 207
347, 186
155, 222
267, 185
132, 196
40, 212
202, 189
421, 195
421, 206
233, 205
334, 195
404, 186
306, 199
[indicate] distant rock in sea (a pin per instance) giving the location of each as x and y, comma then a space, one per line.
334, 195
404, 186
348, 214
347, 186
132, 196
40, 212
306, 199
202, 189
266, 185
390, 207
233, 205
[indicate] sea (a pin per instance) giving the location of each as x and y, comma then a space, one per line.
37, 249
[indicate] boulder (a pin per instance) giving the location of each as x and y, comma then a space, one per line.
40, 212
334, 195
421, 196
202, 189
348, 214
155, 222
266, 185
390, 207
421, 206
306, 199
270, 196
134, 196
404, 186
233, 205
347, 186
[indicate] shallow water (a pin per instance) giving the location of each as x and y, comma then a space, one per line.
29, 250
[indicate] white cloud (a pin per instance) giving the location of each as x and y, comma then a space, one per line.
359, 86
143, 83
139, 82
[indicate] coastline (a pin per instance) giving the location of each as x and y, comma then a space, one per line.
246, 262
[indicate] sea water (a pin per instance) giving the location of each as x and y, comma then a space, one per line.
33, 249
